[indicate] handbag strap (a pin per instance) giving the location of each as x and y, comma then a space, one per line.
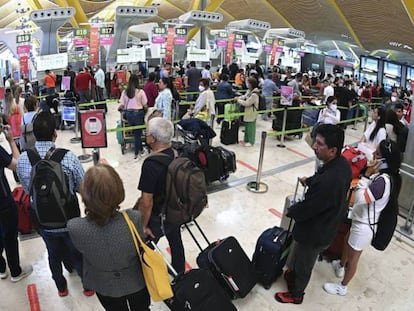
140, 246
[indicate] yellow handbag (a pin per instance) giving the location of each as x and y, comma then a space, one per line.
153, 266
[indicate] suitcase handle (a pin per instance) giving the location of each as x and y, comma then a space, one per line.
193, 236
156, 248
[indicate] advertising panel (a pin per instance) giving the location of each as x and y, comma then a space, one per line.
93, 129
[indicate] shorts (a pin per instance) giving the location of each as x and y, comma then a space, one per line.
360, 235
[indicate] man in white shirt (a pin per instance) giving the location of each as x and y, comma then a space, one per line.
328, 90
100, 86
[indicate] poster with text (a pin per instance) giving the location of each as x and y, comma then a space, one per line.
93, 129
286, 95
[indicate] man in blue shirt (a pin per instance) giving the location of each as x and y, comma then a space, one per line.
9, 217
268, 89
58, 243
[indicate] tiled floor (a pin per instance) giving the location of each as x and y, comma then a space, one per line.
384, 281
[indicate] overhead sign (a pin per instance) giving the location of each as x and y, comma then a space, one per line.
24, 38
52, 61
159, 31
198, 55
80, 32
24, 49
106, 30
93, 129
132, 55
222, 35
181, 31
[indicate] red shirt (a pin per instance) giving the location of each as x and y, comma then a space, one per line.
82, 81
50, 80
151, 90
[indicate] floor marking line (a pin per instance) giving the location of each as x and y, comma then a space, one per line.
297, 152
33, 297
247, 165
275, 212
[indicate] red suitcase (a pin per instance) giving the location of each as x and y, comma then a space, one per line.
22, 200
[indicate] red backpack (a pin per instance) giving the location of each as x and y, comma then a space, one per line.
356, 159
22, 200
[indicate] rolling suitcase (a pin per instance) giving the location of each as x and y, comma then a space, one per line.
214, 169
22, 201
196, 290
289, 201
228, 263
270, 255
229, 133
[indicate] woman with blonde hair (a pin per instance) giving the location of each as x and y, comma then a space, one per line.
110, 263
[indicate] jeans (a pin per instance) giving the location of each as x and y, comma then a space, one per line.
301, 260
173, 235
351, 114
60, 248
136, 118
138, 301
269, 104
84, 96
8, 240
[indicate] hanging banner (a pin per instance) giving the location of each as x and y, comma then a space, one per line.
221, 43
230, 46
80, 42
159, 35
273, 53
94, 46
24, 65
169, 48
268, 45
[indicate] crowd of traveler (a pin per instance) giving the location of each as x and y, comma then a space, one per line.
95, 245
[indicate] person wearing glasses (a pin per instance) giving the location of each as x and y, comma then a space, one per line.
379, 186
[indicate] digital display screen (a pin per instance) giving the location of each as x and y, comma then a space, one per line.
410, 73
369, 63
392, 69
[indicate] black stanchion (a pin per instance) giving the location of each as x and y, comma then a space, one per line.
258, 186
76, 139
95, 156
282, 137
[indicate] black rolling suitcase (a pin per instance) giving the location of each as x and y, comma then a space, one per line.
196, 290
229, 133
228, 263
273, 246
214, 168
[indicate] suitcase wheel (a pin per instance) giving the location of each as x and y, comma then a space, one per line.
224, 178
267, 286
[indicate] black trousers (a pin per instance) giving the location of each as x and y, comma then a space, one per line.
138, 301
8, 239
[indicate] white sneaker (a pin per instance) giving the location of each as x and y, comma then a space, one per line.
335, 289
339, 270
26, 271
4, 275
248, 145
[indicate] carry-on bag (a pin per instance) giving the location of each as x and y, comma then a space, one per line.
229, 160
196, 290
270, 255
229, 133
228, 263
289, 201
214, 168
22, 200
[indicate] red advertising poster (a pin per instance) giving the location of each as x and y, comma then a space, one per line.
93, 129
24, 65
273, 54
169, 48
94, 46
229, 51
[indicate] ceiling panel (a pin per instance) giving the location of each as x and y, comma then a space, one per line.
377, 25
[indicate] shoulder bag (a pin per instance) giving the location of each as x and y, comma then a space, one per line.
153, 266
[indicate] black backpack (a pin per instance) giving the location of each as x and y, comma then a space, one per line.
402, 138
262, 102
387, 221
185, 194
52, 202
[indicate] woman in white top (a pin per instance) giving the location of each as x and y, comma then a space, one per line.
205, 101
164, 99
330, 114
377, 190
375, 133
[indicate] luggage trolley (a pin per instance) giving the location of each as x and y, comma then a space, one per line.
124, 137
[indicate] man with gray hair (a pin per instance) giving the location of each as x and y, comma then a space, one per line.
152, 184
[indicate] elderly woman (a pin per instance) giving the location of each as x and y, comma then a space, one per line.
110, 263
205, 101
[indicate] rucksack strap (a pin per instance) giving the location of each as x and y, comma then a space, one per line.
53, 154
163, 158
58, 155
33, 156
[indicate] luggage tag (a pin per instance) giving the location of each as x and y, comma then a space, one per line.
232, 283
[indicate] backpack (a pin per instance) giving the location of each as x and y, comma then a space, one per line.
185, 194
22, 201
27, 139
262, 102
53, 203
387, 221
356, 159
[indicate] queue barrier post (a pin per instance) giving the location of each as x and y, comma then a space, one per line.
95, 155
282, 137
258, 186
366, 119
356, 116
76, 139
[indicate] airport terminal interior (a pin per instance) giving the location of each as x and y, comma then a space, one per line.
356, 43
